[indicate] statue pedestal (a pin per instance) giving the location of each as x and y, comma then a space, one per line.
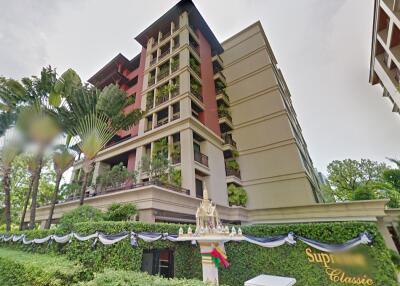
210, 272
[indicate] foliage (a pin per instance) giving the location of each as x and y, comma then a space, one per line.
237, 195
83, 213
120, 212
129, 278
395, 257
116, 176
232, 164
392, 177
19, 268
363, 193
176, 177
348, 175
285, 260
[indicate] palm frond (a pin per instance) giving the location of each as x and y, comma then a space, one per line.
10, 148
94, 132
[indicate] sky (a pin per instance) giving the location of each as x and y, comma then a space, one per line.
322, 48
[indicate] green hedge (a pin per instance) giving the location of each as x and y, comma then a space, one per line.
129, 278
247, 260
19, 268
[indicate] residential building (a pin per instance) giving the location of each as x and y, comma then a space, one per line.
224, 113
385, 50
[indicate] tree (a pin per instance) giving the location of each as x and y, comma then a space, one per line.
120, 212
63, 159
346, 176
31, 165
10, 149
237, 195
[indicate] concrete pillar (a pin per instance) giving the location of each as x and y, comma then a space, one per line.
185, 107
138, 159
386, 234
187, 161
216, 183
183, 19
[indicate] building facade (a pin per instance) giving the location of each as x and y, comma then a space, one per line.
223, 114
385, 50
223, 108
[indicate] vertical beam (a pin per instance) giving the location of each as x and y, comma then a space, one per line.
187, 161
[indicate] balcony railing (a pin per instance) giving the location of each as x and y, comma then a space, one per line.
195, 48
161, 99
152, 80
232, 172
197, 94
153, 61
201, 158
161, 122
228, 140
129, 186
164, 54
164, 36
177, 45
148, 128
175, 67
224, 114
176, 159
176, 116
163, 74
175, 91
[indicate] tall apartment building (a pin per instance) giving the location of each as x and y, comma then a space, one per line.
385, 50
215, 102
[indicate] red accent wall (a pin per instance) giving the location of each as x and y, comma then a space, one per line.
131, 161
137, 88
210, 115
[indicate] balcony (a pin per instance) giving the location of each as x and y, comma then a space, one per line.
224, 114
152, 80
229, 140
195, 48
161, 98
176, 116
175, 92
163, 74
201, 158
149, 103
232, 172
164, 36
153, 61
164, 54
161, 122
176, 46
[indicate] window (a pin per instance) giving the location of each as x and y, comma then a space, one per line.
199, 188
158, 262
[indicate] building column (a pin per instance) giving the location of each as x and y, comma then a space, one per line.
99, 168
138, 159
386, 234
131, 161
187, 161
216, 183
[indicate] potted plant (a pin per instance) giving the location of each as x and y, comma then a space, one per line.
237, 196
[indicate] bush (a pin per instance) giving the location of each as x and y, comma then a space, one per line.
18, 268
83, 213
364, 193
129, 278
120, 212
237, 195
116, 176
246, 260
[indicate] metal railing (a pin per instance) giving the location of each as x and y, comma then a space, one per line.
161, 122
162, 98
129, 186
153, 61
163, 74
232, 172
201, 158
197, 94
164, 54
225, 114
229, 140
175, 92
176, 116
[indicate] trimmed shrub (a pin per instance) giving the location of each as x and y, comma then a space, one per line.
246, 260
19, 268
120, 212
83, 213
129, 278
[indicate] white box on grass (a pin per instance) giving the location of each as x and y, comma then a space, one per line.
269, 280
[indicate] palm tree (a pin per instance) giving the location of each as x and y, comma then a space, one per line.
63, 159
40, 129
10, 149
31, 166
395, 161
94, 132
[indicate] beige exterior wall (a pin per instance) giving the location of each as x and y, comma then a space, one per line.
264, 127
383, 71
